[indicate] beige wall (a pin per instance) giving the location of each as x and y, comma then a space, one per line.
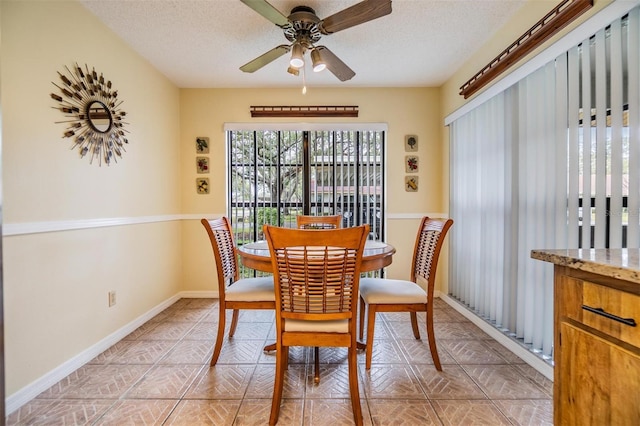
56, 283
406, 111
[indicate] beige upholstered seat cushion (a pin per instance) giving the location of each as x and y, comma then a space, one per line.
387, 291
331, 326
251, 290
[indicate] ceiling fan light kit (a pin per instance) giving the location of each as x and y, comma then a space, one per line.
303, 28
297, 61
318, 63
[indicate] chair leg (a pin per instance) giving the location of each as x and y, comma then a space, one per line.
281, 361
353, 385
219, 336
234, 322
286, 357
414, 325
371, 319
316, 364
362, 310
432, 341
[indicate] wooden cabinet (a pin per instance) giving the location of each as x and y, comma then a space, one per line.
597, 349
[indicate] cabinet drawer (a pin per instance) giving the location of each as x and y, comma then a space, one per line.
611, 311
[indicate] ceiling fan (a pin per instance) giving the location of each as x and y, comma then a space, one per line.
304, 29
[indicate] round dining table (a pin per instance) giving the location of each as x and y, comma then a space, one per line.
376, 256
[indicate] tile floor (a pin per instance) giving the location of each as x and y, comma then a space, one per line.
160, 375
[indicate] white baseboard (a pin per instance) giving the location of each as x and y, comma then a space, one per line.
527, 356
26, 394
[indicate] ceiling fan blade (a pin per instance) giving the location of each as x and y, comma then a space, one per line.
268, 11
359, 13
265, 58
335, 65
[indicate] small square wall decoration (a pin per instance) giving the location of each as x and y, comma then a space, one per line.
202, 145
411, 164
411, 183
411, 143
202, 185
202, 164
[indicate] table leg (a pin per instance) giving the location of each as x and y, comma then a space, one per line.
316, 364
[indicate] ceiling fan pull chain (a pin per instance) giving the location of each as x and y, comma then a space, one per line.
304, 82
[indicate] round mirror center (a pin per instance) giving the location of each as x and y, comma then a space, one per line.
99, 116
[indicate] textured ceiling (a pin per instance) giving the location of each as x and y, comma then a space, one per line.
202, 43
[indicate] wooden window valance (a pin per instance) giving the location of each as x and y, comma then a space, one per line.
304, 111
553, 22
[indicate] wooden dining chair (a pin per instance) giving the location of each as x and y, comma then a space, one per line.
319, 222
388, 295
316, 275
234, 292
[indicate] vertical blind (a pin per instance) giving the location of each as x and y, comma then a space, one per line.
551, 162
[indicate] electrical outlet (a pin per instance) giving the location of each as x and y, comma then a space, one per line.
112, 298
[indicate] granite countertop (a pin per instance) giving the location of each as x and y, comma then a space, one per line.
621, 264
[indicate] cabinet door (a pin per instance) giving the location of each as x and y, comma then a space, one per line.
599, 381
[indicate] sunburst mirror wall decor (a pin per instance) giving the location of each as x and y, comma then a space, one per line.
93, 117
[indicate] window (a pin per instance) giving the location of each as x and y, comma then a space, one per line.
601, 66
275, 175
